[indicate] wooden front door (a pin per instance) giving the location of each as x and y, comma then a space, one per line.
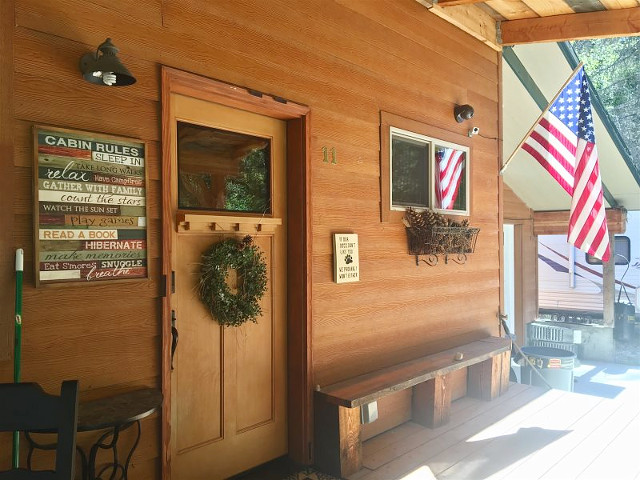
228, 384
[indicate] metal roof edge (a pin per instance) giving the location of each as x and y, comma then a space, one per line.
523, 75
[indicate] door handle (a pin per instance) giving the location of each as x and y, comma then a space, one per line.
174, 336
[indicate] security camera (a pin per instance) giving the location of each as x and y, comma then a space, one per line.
474, 131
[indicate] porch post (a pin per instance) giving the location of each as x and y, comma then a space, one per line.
609, 285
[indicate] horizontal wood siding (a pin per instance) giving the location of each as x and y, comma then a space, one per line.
347, 60
7, 263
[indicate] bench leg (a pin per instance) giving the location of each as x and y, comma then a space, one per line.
489, 379
338, 448
432, 402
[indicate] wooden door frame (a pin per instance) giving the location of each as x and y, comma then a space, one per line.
299, 381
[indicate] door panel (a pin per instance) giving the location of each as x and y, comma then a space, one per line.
254, 367
228, 386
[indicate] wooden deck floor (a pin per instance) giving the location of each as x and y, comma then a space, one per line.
528, 433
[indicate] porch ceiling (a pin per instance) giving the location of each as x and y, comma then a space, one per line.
547, 68
509, 22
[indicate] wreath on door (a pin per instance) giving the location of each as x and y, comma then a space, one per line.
226, 307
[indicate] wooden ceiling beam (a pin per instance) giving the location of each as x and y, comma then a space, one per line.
469, 18
557, 222
577, 26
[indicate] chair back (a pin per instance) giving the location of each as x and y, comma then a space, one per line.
26, 407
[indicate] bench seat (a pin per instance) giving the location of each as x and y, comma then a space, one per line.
338, 447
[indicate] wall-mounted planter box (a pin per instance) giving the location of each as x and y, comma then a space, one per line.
425, 238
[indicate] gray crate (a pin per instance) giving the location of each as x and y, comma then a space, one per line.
537, 331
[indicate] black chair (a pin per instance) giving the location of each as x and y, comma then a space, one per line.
26, 407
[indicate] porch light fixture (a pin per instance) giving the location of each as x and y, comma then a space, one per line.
105, 68
462, 113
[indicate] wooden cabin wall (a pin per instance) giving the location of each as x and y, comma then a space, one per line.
347, 60
7, 264
517, 213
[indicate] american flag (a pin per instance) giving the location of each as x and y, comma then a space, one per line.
564, 143
449, 163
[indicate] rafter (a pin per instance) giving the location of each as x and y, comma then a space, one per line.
469, 18
545, 8
609, 23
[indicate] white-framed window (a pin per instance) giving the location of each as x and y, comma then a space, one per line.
426, 172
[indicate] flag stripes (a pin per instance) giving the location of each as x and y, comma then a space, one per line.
449, 163
587, 223
553, 147
563, 143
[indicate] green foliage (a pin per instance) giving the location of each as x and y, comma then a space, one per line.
249, 192
244, 257
613, 66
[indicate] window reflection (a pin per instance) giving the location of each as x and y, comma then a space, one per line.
222, 170
450, 178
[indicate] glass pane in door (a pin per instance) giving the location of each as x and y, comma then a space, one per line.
222, 170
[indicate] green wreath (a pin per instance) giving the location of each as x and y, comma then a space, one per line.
246, 259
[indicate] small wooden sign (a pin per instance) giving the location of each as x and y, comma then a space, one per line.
346, 264
90, 207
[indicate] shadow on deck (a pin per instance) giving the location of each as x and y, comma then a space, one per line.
528, 433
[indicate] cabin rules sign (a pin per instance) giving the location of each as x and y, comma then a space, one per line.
91, 213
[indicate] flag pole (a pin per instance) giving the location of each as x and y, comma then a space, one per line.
535, 124
17, 351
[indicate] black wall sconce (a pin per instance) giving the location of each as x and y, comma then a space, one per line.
105, 68
462, 113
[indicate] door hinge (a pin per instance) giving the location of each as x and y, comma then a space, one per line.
163, 285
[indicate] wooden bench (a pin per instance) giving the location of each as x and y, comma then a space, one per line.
338, 447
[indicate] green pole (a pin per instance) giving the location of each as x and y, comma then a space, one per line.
17, 350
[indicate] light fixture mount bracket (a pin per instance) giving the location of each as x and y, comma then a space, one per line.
104, 67
463, 112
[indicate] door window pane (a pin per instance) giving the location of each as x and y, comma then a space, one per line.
222, 170
409, 172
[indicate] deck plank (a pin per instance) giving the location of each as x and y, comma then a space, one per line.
511, 440
536, 465
462, 411
396, 434
360, 474
439, 442
584, 452
528, 434
619, 460
380, 442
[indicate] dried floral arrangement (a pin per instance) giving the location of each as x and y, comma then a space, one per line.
430, 233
